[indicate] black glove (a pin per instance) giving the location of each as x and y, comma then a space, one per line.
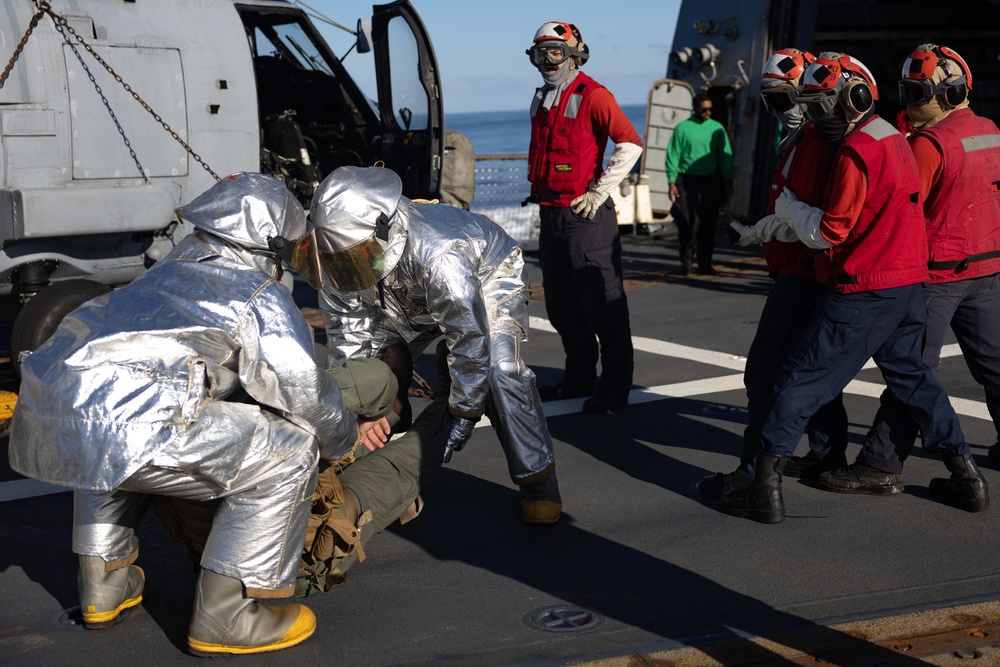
458, 435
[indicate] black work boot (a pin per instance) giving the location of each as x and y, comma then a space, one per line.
602, 403
686, 256
761, 501
859, 478
400, 362
966, 488
714, 485
563, 390
811, 466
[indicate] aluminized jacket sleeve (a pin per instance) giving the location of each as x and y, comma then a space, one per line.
283, 375
455, 301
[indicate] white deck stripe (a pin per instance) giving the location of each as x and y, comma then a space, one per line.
722, 359
28, 488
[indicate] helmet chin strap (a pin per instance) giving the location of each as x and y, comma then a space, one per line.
382, 227
281, 247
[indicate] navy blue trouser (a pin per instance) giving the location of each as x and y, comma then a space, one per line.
972, 308
843, 333
585, 300
696, 213
785, 315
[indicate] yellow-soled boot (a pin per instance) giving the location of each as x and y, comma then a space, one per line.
226, 621
540, 500
107, 597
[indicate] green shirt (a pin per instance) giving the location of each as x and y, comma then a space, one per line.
699, 148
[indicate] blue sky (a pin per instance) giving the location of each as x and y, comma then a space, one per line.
480, 46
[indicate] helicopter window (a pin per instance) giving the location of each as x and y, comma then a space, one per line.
410, 104
289, 43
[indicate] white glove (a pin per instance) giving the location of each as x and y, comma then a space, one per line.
802, 218
748, 235
774, 228
620, 163
768, 228
586, 205
783, 202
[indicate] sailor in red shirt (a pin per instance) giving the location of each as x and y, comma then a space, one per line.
795, 291
870, 230
572, 119
958, 159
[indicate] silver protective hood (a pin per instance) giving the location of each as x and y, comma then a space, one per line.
462, 276
167, 361
353, 205
247, 209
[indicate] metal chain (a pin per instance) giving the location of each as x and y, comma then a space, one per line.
43, 7
423, 388
107, 105
61, 25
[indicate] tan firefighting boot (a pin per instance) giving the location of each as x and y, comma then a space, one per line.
226, 621
540, 500
106, 597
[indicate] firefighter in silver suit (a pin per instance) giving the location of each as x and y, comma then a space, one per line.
197, 381
405, 272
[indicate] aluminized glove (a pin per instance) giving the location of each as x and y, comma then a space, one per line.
458, 435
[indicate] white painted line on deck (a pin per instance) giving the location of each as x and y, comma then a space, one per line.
723, 383
962, 406
723, 359
28, 488
665, 349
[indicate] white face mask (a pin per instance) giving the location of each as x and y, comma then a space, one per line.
791, 119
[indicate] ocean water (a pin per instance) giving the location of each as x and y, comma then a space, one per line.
501, 185
509, 132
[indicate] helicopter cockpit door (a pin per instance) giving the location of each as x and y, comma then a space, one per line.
409, 93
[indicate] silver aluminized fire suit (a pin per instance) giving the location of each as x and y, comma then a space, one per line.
197, 380
459, 274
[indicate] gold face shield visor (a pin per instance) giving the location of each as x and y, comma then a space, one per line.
352, 269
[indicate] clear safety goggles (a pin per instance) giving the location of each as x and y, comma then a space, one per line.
915, 93
817, 107
779, 99
552, 54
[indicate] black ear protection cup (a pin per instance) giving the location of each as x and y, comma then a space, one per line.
581, 46
856, 97
957, 89
956, 84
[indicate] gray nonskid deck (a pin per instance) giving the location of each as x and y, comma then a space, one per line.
649, 563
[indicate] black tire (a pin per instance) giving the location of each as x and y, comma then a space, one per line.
42, 313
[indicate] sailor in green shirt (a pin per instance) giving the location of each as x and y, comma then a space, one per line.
700, 172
